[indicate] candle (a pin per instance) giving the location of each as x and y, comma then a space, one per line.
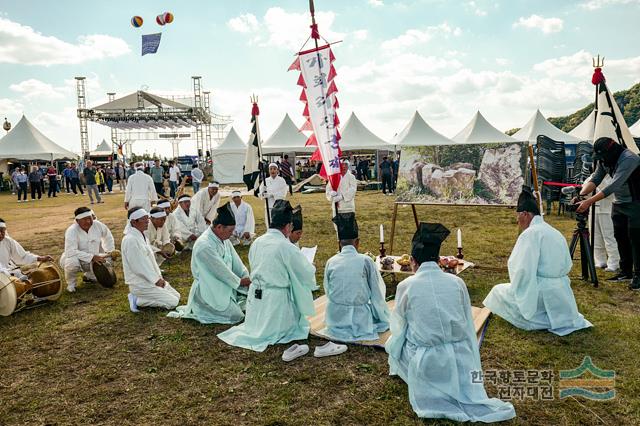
459, 238
381, 234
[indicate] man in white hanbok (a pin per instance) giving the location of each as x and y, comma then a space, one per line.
206, 202
356, 307
433, 345
273, 188
12, 254
245, 229
170, 222
539, 296
345, 196
220, 280
189, 223
86, 241
157, 233
605, 246
147, 288
140, 191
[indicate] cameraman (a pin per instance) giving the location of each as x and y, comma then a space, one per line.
624, 168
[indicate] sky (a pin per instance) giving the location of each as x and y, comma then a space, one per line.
444, 58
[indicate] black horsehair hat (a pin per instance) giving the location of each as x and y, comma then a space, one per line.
281, 214
527, 202
225, 216
347, 226
297, 218
427, 240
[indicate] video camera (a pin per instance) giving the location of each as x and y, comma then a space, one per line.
570, 192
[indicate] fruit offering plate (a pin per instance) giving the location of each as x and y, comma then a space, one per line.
396, 268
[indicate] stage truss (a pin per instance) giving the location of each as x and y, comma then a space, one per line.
145, 116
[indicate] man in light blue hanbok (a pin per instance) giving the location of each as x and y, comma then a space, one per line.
539, 296
220, 280
356, 307
433, 345
280, 298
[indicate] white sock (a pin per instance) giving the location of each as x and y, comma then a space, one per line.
133, 303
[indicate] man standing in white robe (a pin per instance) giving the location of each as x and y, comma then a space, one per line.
147, 288
245, 229
206, 201
140, 191
86, 241
433, 345
273, 188
12, 254
157, 233
220, 280
345, 196
539, 296
189, 222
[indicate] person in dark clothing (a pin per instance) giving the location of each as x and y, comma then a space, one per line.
386, 174
624, 168
395, 166
52, 174
34, 181
74, 176
286, 172
66, 173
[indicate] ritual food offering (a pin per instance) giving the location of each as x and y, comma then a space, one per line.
448, 263
405, 262
387, 263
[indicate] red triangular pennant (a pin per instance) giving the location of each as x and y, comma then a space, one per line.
301, 81
316, 156
331, 56
332, 88
303, 95
332, 73
305, 113
336, 104
307, 127
336, 120
295, 65
312, 141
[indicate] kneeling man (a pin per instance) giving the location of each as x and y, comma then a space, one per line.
356, 307
85, 242
189, 222
433, 345
158, 233
147, 288
245, 230
539, 296
280, 296
12, 254
220, 280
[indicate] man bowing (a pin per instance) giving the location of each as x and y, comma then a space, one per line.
220, 280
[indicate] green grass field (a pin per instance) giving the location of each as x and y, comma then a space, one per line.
87, 360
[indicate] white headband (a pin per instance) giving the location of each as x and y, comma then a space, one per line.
158, 215
214, 185
85, 214
140, 213
3, 225
164, 204
184, 198
273, 165
236, 194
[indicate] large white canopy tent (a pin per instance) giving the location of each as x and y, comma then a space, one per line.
228, 159
104, 149
418, 133
584, 130
479, 130
356, 137
287, 139
635, 129
26, 142
538, 125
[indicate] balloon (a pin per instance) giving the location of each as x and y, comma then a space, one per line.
168, 17
136, 21
160, 19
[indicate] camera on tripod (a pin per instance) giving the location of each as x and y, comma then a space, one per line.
570, 191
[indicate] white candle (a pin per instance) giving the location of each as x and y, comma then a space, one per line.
381, 234
459, 238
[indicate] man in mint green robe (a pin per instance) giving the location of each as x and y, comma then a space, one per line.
356, 307
433, 345
280, 297
539, 296
220, 280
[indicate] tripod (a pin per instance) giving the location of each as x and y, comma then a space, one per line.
581, 233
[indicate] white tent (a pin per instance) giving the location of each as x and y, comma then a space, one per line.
635, 129
25, 142
418, 133
538, 125
287, 138
228, 159
584, 130
479, 130
102, 150
356, 137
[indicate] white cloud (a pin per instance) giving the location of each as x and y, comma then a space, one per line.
546, 25
598, 4
247, 23
503, 62
23, 45
376, 3
413, 37
34, 88
475, 8
360, 34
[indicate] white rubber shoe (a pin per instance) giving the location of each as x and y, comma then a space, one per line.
330, 349
295, 351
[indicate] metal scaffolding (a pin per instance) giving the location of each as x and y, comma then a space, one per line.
82, 115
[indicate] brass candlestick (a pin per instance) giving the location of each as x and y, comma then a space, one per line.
460, 255
383, 252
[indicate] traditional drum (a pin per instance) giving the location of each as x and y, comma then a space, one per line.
105, 274
179, 245
168, 249
40, 283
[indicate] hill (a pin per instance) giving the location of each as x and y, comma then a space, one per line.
628, 101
